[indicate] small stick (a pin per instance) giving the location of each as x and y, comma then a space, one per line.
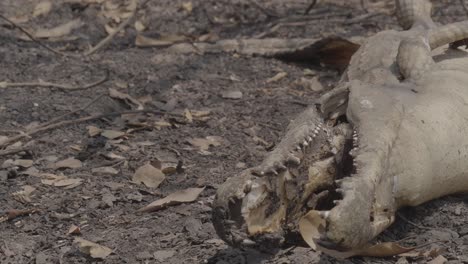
462, 2
74, 111
7, 152
75, 121
64, 87
265, 11
311, 5
109, 37
32, 37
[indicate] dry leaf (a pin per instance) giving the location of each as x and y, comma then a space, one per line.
43, 8
232, 94
163, 41
93, 249
70, 163
112, 155
74, 230
277, 77
139, 26
23, 163
148, 175
438, 260
205, 143
184, 196
188, 115
93, 131
130, 101
312, 225
24, 196
112, 134
105, 170
188, 6
59, 31
311, 84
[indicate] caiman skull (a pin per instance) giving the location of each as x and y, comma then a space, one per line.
389, 136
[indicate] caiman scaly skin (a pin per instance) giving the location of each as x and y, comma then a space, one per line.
392, 133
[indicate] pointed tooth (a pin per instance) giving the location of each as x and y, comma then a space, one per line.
273, 171
248, 242
336, 202
305, 143
340, 190
280, 166
309, 138
293, 159
298, 148
324, 214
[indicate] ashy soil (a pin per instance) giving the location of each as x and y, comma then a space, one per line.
230, 100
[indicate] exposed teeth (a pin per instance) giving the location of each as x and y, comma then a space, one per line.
298, 148
280, 166
305, 143
248, 186
293, 159
309, 139
324, 214
339, 190
336, 202
273, 171
248, 242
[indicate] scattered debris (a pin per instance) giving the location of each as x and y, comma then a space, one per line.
24, 196
70, 163
105, 171
42, 8
92, 249
93, 131
232, 94
14, 213
74, 230
204, 143
130, 101
112, 134
277, 77
149, 176
60, 180
59, 31
163, 41
184, 196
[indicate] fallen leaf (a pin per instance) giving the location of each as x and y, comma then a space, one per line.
149, 176
312, 225
130, 101
184, 196
24, 196
59, 180
205, 143
438, 260
43, 8
59, 31
92, 249
23, 163
277, 77
70, 163
188, 115
139, 26
163, 41
188, 6
312, 84
105, 170
232, 94
112, 134
93, 131
112, 155
74, 230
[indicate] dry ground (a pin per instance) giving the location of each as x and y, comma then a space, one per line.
104, 205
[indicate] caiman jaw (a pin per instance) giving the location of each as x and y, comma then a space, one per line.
262, 206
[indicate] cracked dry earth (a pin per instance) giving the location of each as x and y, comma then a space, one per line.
104, 206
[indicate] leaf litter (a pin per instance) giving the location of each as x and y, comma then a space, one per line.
183, 196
